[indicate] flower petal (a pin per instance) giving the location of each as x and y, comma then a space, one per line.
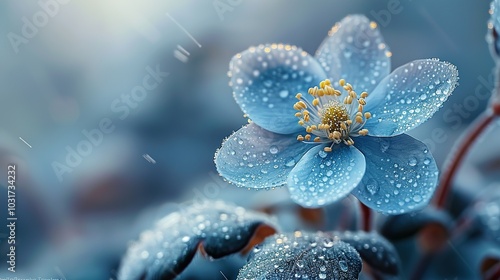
255, 158
355, 51
409, 96
265, 80
321, 178
401, 175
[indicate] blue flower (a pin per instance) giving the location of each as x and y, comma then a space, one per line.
338, 138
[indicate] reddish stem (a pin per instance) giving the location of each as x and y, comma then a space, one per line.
467, 140
366, 216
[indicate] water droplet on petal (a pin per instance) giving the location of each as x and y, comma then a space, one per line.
412, 161
273, 150
284, 93
384, 145
322, 154
372, 186
290, 163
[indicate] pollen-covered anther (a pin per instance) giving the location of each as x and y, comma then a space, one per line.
327, 149
298, 96
307, 137
315, 102
300, 138
363, 132
317, 139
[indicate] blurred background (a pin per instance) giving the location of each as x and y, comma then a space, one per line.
67, 66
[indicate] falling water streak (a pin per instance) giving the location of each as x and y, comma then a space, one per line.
184, 29
25, 142
223, 275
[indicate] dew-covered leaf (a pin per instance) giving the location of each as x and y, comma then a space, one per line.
215, 227
302, 255
375, 250
403, 226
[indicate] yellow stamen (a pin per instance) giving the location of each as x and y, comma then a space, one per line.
327, 149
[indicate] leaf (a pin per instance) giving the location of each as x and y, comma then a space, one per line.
302, 255
403, 226
375, 250
215, 227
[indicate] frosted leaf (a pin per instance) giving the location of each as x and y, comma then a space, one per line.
215, 227
374, 250
302, 255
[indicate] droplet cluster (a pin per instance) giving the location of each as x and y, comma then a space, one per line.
255, 158
400, 177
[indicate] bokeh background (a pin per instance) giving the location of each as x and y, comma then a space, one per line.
88, 54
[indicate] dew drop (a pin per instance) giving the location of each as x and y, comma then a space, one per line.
185, 238
144, 254
412, 161
328, 242
322, 154
423, 96
284, 93
417, 198
384, 145
427, 161
343, 265
322, 276
372, 186
290, 163
273, 150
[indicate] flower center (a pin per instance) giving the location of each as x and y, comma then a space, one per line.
330, 119
333, 115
